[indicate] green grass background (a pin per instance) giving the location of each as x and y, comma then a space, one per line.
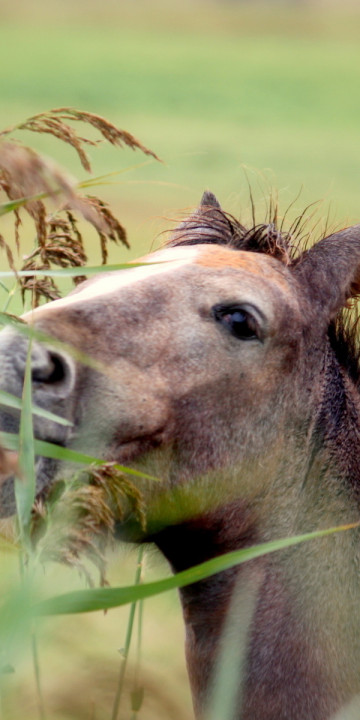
221, 91
213, 88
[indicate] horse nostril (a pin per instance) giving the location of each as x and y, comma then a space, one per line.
52, 369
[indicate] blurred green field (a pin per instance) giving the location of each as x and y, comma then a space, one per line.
212, 88
221, 92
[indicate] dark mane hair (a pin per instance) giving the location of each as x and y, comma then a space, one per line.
214, 226
211, 225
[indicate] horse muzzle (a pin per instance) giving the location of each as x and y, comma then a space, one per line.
53, 374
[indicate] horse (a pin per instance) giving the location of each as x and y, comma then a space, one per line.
226, 363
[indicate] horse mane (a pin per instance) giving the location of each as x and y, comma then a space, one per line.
211, 225
216, 227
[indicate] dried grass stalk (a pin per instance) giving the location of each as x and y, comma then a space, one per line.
113, 229
39, 287
29, 178
24, 173
53, 122
77, 520
59, 242
10, 258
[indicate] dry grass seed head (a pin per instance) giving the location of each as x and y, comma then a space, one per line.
6, 188
63, 246
10, 258
39, 287
78, 520
26, 174
112, 228
53, 123
109, 132
59, 241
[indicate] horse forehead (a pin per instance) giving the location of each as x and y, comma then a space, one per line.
256, 264
163, 265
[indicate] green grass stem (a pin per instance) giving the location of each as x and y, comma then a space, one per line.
25, 484
129, 632
74, 271
105, 598
10, 295
36, 665
138, 691
14, 402
11, 441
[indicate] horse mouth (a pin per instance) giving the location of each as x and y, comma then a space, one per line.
127, 451
49, 470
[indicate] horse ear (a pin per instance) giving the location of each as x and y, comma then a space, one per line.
209, 200
202, 225
329, 272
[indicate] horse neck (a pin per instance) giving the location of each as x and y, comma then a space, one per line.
295, 659
338, 421
205, 604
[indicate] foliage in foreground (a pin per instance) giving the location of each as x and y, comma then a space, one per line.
75, 521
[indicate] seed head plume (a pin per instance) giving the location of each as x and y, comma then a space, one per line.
76, 521
55, 122
28, 179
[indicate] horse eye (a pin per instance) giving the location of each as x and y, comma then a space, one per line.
239, 321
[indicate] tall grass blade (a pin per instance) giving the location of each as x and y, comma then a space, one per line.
129, 631
10, 441
106, 598
74, 271
105, 179
25, 484
12, 205
10, 296
36, 664
16, 618
137, 694
230, 667
14, 402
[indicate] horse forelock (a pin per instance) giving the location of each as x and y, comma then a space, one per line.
216, 227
